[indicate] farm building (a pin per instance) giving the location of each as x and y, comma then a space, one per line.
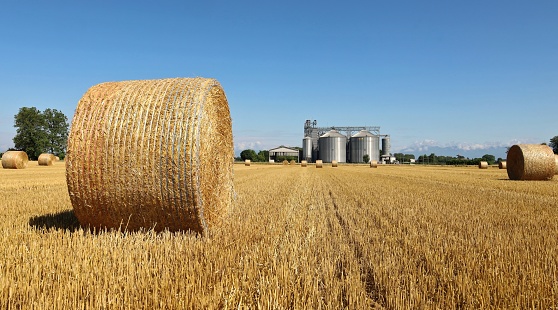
283, 151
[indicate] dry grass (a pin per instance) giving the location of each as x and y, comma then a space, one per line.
400, 238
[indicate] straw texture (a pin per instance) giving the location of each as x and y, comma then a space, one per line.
14, 160
555, 164
154, 154
483, 165
319, 163
46, 159
373, 164
530, 162
502, 164
304, 163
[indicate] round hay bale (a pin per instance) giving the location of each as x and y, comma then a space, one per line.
304, 163
334, 163
292, 162
502, 164
182, 125
530, 162
46, 159
56, 158
247, 162
285, 162
319, 163
373, 164
15, 160
483, 165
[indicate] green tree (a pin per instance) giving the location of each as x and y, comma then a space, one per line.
263, 156
366, 158
490, 159
554, 144
249, 154
56, 128
30, 134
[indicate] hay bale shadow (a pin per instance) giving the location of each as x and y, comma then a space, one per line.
65, 220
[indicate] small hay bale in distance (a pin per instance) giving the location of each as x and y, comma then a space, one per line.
319, 163
292, 162
46, 159
502, 164
334, 163
247, 162
182, 125
304, 163
530, 162
285, 162
15, 160
483, 165
373, 164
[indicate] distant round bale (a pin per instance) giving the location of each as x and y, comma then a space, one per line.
530, 162
334, 163
15, 160
483, 165
285, 162
319, 163
502, 164
304, 163
247, 162
292, 162
373, 164
46, 159
152, 154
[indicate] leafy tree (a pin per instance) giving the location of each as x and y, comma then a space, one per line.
30, 134
56, 128
554, 144
366, 158
249, 154
490, 159
263, 156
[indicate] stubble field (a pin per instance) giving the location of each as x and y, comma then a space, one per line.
397, 237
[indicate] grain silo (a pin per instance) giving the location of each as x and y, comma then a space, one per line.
307, 149
333, 146
386, 145
364, 143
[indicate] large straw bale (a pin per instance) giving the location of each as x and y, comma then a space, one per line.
530, 162
14, 160
319, 163
46, 159
152, 154
483, 165
304, 163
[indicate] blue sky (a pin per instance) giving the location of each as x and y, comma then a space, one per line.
467, 74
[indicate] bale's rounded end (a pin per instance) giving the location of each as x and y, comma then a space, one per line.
530, 162
15, 160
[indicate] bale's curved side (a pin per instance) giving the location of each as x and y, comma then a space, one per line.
373, 164
15, 160
319, 163
46, 159
483, 165
530, 162
182, 125
555, 164
502, 164
304, 163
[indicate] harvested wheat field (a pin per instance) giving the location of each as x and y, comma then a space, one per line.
400, 237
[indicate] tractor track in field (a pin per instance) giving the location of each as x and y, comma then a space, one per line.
373, 289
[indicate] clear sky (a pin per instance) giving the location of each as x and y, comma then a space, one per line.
438, 73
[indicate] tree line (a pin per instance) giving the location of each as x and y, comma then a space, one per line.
40, 132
